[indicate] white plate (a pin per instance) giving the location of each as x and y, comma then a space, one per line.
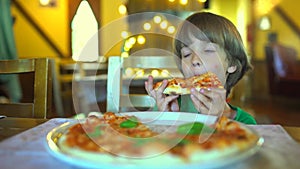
150, 118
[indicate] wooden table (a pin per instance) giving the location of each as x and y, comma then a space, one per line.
10, 126
294, 132
278, 151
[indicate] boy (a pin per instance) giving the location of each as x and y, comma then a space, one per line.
207, 42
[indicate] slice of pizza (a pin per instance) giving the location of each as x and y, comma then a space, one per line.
183, 86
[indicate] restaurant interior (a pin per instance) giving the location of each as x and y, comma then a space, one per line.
73, 76
47, 29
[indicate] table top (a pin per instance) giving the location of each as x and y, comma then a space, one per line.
278, 151
10, 126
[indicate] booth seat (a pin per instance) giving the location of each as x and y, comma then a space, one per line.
283, 70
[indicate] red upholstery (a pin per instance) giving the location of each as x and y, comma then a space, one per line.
283, 70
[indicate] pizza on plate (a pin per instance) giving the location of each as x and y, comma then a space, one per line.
113, 136
183, 86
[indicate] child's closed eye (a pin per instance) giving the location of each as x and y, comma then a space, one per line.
209, 50
185, 52
187, 55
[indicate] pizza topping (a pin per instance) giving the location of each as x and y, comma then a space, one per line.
183, 142
183, 86
130, 123
96, 133
194, 128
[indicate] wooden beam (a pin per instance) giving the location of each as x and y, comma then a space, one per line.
288, 20
38, 28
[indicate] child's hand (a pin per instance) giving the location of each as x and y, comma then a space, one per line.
164, 103
211, 102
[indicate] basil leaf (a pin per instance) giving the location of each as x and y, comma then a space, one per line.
194, 128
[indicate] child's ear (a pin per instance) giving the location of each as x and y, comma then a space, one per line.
231, 69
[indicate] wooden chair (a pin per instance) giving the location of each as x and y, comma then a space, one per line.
125, 88
89, 87
41, 104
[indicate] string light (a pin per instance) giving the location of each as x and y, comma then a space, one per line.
171, 29
164, 24
128, 45
155, 73
124, 54
140, 73
129, 72
147, 26
126, 49
165, 73
141, 39
132, 40
183, 2
157, 19
124, 34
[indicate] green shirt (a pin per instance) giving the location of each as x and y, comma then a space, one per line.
243, 116
186, 105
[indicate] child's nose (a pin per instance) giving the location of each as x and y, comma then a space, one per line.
196, 61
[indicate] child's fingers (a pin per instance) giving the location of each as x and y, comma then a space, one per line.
209, 101
149, 86
199, 105
165, 102
202, 96
174, 106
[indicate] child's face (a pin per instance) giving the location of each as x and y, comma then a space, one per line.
202, 56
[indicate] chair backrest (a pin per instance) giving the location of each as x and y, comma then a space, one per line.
281, 60
41, 104
89, 87
126, 77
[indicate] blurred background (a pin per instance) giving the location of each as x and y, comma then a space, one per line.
43, 28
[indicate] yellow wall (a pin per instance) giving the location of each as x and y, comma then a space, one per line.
53, 21
236, 11
111, 28
285, 34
